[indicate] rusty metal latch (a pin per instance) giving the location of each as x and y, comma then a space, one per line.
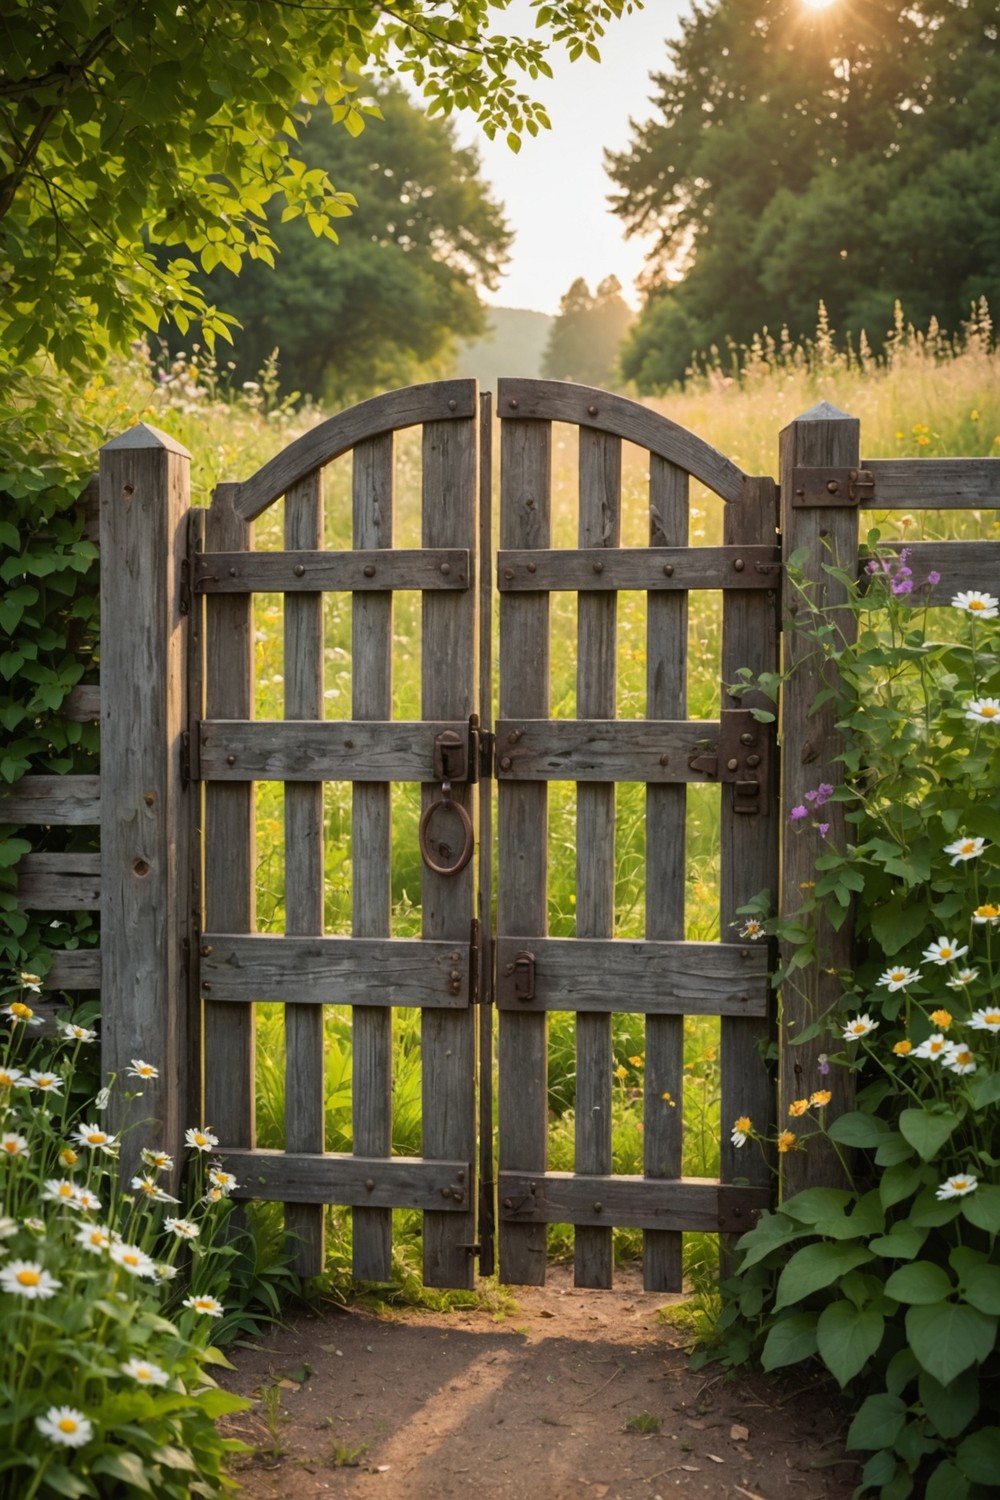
742, 760
816, 487
521, 973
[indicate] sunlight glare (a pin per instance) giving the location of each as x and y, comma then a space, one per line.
817, 4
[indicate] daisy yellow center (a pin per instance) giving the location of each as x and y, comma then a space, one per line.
858, 1029
976, 604
743, 1123
28, 1277
902, 1048
65, 1190
898, 974
200, 1140
988, 711
992, 1018
937, 1046
97, 1238
203, 1303
130, 1260
968, 846
67, 1424
987, 911
68, 1157
19, 1009
963, 1056
142, 1372
45, 1083
960, 1183
11, 1147
96, 1137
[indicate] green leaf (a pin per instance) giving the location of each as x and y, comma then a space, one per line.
125, 1466
922, 1282
857, 1129
981, 1288
897, 923
982, 1207
984, 1089
878, 1423
814, 1267
927, 1132
946, 1483
978, 1456
902, 1243
791, 1340
948, 1337
892, 1150
847, 1338
899, 1182
950, 1407
813, 1203
63, 1481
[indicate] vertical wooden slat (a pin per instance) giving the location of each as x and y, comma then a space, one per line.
448, 676
749, 841
144, 816
596, 680
666, 698
371, 655
303, 672
487, 1174
195, 824
525, 521
230, 854
822, 436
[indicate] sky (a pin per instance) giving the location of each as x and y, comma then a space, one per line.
555, 191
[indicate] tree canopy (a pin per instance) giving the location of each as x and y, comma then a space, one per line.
584, 339
847, 154
131, 124
390, 299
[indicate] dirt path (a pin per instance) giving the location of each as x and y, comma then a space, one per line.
574, 1396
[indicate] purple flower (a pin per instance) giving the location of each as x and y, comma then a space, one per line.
872, 567
824, 829
822, 1064
933, 577
797, 813
903, 586
822, 794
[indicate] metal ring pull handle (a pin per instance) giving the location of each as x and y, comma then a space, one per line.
445, 800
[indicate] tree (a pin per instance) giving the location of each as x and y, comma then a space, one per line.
402, 284
128, 124
844, 154
585, 337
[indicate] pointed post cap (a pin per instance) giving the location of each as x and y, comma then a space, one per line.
142, 435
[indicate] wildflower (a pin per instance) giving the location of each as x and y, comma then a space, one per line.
12, 1078
151, 1189
798, 813
942, 1018
87, 1201
983, 710
787, 1141
636, 1062
200, 1140
93, 1237
66, 1426
988, 912
741, 1129
944, 951
933, 577
158, 1160
798, 1107
144, 1371
140, 1069
898, 977
12, 1144
60, 1190
27, 1279
902, 1048
21, 1014
667, 1098
96, 1138
987, 1019
133, 1260
859, 1027
68, 1157
37, 1226
203, 1304
32, 982
933, 1046
227, 1182
165, 1272
959, 1058
183, 1228
957, 1186
822, 829
822, 794
822, 1065
213, 1195
820, 1099
103, 1100
752, 929
984, 606
74, 1033
962, 978
46, 1083
965, 849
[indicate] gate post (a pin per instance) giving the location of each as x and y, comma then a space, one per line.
145, 843
826, 533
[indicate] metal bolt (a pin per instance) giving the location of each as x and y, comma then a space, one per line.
513, 405
205, 950
452, 405
532, 567
370, 1183
230, 760
508, 574
299, 570
746, 739
460, 1176
664, 760
455, 974
592, 411
508, 1203
457, 1194
833, 486
232, 572
206, 986
739, 565
149, 799
598, 1208
369, 570
744, 953
514, 736
446, 569
506, 763
800, 492
446, 1192
668, 568
733, 765
753, 761
598, 567
454, 957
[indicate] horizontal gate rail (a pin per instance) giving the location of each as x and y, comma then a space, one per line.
935, 483
589, 569
52, 801
604, 749
322, 750
355, 1181
374, 571
649, 978
961, 565
681, 1203
335, 970
59, 882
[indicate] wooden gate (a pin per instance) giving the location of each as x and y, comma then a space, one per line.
449, 970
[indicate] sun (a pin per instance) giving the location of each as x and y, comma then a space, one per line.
817, 4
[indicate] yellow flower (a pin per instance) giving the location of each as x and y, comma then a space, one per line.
636, 1062
668, 1098
798, 1107
621, 1071
787, 1141
821, 1098
973, 415
902, 1048
68, 1156
923, 441
942, 1018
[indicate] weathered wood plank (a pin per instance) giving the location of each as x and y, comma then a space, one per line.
59, 882
437, 401
83, 703
335, 970
373, 502
345, 750
486, 1222
932, 483
230, 855
53, 801
303, 673
658, 978
685, 1203
811, 744
374, 570
76, 970
525, 521
372, 1182
583, 407
448, 660
600, 466
653, 569
962, 565
145, 917
656, 751
666, 872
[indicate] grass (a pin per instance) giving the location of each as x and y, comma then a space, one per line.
929, 397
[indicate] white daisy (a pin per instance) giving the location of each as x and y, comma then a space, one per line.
752, 929
145, 1372
988, 912
944, 951
60, 1190
898, 977
183, 1228
741, 1129
957, 1186
934, 1047
224, 1180
20, 1014
74, 1033
12, 1078
962, 978
96, 1137
963, 849
12, 1144
158, 1160
140, 1069
150, 1188
207, 1305
27, 1279
45, 1082
87, 1201
65, 1426
983, 606
165, 1272
983, 710
987, 1019
200, 1140
958, 1058
93, 1237
859, 1027
133, 1260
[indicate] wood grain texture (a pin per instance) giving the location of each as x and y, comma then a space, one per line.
58, 882
52, 801
486, 1221
82, 704
335, 970
666, 872
525, 521
371, 570
557, 401
74, 970
811, 742
437, 401
933, 483
350, 750
304, 869
685, 1203
603, 749
373, 505
372, 1183
600, 467
654, 569
962, 565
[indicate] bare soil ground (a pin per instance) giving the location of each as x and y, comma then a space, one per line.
576, 1395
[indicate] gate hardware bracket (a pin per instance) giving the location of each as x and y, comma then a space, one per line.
742, 759
817, 487
522, 974
451, 757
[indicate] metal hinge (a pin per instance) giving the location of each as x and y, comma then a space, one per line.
742, 759
475, 959
487, 751
184, 602
186, 758
815, 487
